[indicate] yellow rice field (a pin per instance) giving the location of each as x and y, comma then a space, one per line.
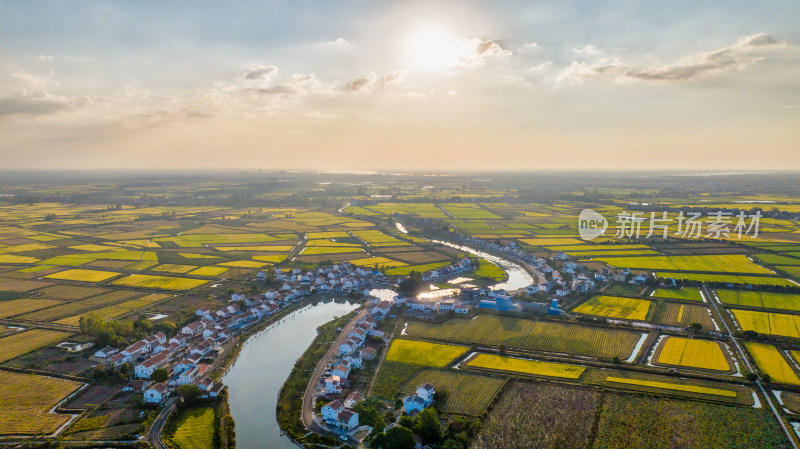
535, 367
671, 386
77, 274
768, 323
693, 353
770, 360
159, 282
615, 307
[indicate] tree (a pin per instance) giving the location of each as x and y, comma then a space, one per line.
615, 360
695, 327
428, 425
160, 375
502, 349
189, 393
399, 437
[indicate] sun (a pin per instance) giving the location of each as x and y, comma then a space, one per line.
432, 47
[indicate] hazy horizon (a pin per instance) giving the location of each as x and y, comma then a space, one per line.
410, 86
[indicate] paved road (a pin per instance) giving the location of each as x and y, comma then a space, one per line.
308, 398
154, 435
789, 433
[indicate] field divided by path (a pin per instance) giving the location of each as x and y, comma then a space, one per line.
530, 335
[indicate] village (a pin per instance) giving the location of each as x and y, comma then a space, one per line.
188, 357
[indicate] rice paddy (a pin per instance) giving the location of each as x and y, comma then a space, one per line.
692, 353
523, 366
770, 361
83, 275
423, 353
615, 307
159, 282
768, 322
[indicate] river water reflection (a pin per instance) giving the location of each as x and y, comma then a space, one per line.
263, 365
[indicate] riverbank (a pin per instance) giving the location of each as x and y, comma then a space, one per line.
292, 396
265, 359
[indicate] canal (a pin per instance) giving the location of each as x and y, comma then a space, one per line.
263, 365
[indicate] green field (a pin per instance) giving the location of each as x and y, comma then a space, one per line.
777, 259
423, 353
727, 263
489, 270
729, 278
530, 335
195, 429
403, 271
766, 300
467, 394
635, 421
686, 293
615, 307
391, 376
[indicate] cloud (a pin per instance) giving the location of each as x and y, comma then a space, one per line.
260, 73
336, 44
362, 84
39, 103
280, 89
735, 57
473, 52
744, 53
532, 46
541, 67
394, 78
587, 50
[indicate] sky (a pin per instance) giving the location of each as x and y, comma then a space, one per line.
412, 85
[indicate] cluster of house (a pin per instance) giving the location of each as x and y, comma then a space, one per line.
340, 414
462, 266
351, 354
341, 278
418, 402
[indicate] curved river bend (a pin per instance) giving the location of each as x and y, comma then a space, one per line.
266, 360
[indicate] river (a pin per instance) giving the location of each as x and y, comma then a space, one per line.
517, 276
266, 360
263, 365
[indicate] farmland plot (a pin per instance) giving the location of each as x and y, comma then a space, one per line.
767, 300
727, 263
75, 307
691, 353
768, 322
770, 361
21, 343
391, 376
26, 399
683, 315
728, 278
423, 353
159, 282
615, 307
468, 394
563, 418
83, 275
629, 421
523, 366
530, 335
20, 306
685, 293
